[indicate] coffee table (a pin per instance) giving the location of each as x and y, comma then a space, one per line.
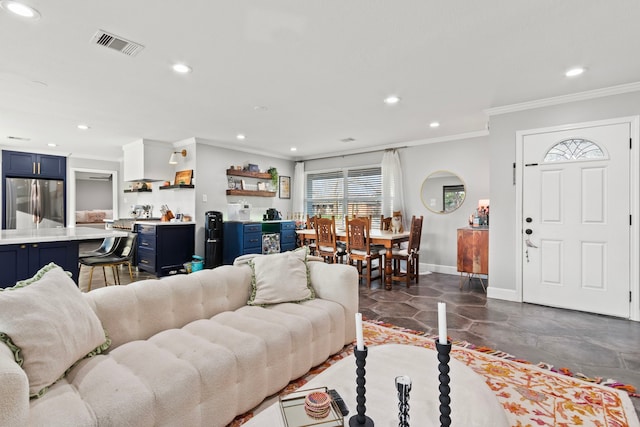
473, 404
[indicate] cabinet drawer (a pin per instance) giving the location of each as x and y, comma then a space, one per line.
146, 240
146, 229
253, 250
288, 236
288, 226
252, 228
253, 240
146, 259
287, 247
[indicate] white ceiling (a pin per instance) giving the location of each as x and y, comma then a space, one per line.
320, 67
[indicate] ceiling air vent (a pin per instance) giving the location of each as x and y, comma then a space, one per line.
114, 42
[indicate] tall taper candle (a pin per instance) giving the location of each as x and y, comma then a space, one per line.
442, 323
359, 337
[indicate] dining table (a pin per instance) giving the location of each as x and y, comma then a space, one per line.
386, 238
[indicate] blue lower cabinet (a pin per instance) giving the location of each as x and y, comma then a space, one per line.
287, 231
240, 238
163, 249
22, 261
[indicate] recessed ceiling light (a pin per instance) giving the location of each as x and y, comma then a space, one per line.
20, 9
349, 139
574, 72
260, 108
83, 127
181, 68
434, 124
51, 144
293, 149
391, 100
240, 136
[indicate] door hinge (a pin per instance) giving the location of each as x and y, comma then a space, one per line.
630, 300
630, 139
630, 223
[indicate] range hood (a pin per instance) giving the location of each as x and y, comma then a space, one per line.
147, 161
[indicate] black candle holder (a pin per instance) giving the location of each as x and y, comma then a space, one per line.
360, 419
443, 367
403, 385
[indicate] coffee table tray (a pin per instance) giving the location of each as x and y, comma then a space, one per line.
294, 415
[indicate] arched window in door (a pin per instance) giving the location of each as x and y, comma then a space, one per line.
574, 149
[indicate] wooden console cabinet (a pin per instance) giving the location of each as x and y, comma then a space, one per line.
473, 251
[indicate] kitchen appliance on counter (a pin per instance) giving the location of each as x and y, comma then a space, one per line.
213, 239
271, 215
239, 211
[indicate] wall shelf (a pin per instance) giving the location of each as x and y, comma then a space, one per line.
138, 190
247, 174
169, 187
251, 193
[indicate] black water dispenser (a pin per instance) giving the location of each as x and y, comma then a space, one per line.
213, 239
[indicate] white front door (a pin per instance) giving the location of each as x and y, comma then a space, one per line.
576, 219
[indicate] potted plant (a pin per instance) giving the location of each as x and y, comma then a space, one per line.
274, 176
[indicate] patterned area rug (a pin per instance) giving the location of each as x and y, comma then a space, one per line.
532, 395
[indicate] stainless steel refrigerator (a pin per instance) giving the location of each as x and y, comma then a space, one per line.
34, 203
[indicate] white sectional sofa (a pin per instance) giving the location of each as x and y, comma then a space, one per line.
185, 350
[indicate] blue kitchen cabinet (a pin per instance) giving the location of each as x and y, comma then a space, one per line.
240, 238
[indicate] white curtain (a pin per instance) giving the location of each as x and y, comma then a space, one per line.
392, 191
298, 188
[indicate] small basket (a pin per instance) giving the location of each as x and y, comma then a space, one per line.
197, 264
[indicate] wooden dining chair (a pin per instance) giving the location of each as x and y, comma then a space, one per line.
410, 255
311, 241
327, 241
385, 223
360, 250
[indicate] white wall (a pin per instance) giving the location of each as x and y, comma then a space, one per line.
93, 194
468, 158
211, 183
502, 246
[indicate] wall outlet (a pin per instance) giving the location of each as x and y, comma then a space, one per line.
204, 197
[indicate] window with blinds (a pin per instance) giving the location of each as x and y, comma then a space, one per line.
345, 192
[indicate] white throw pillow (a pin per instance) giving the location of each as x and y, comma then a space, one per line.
49, 326
279, 278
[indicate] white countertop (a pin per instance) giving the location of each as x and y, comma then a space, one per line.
14, 237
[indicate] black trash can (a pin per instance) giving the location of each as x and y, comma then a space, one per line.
213, 239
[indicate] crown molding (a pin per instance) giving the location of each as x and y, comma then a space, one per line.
414, 143
564, 99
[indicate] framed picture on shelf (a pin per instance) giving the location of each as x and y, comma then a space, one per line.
285, 187
262, 186
184, 177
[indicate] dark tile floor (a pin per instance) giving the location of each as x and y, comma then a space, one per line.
595, 345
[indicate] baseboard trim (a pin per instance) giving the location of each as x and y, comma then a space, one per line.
503, 294
435, 268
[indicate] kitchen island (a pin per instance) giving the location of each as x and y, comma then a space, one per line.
24, 252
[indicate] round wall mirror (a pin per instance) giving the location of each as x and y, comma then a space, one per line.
442, 192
